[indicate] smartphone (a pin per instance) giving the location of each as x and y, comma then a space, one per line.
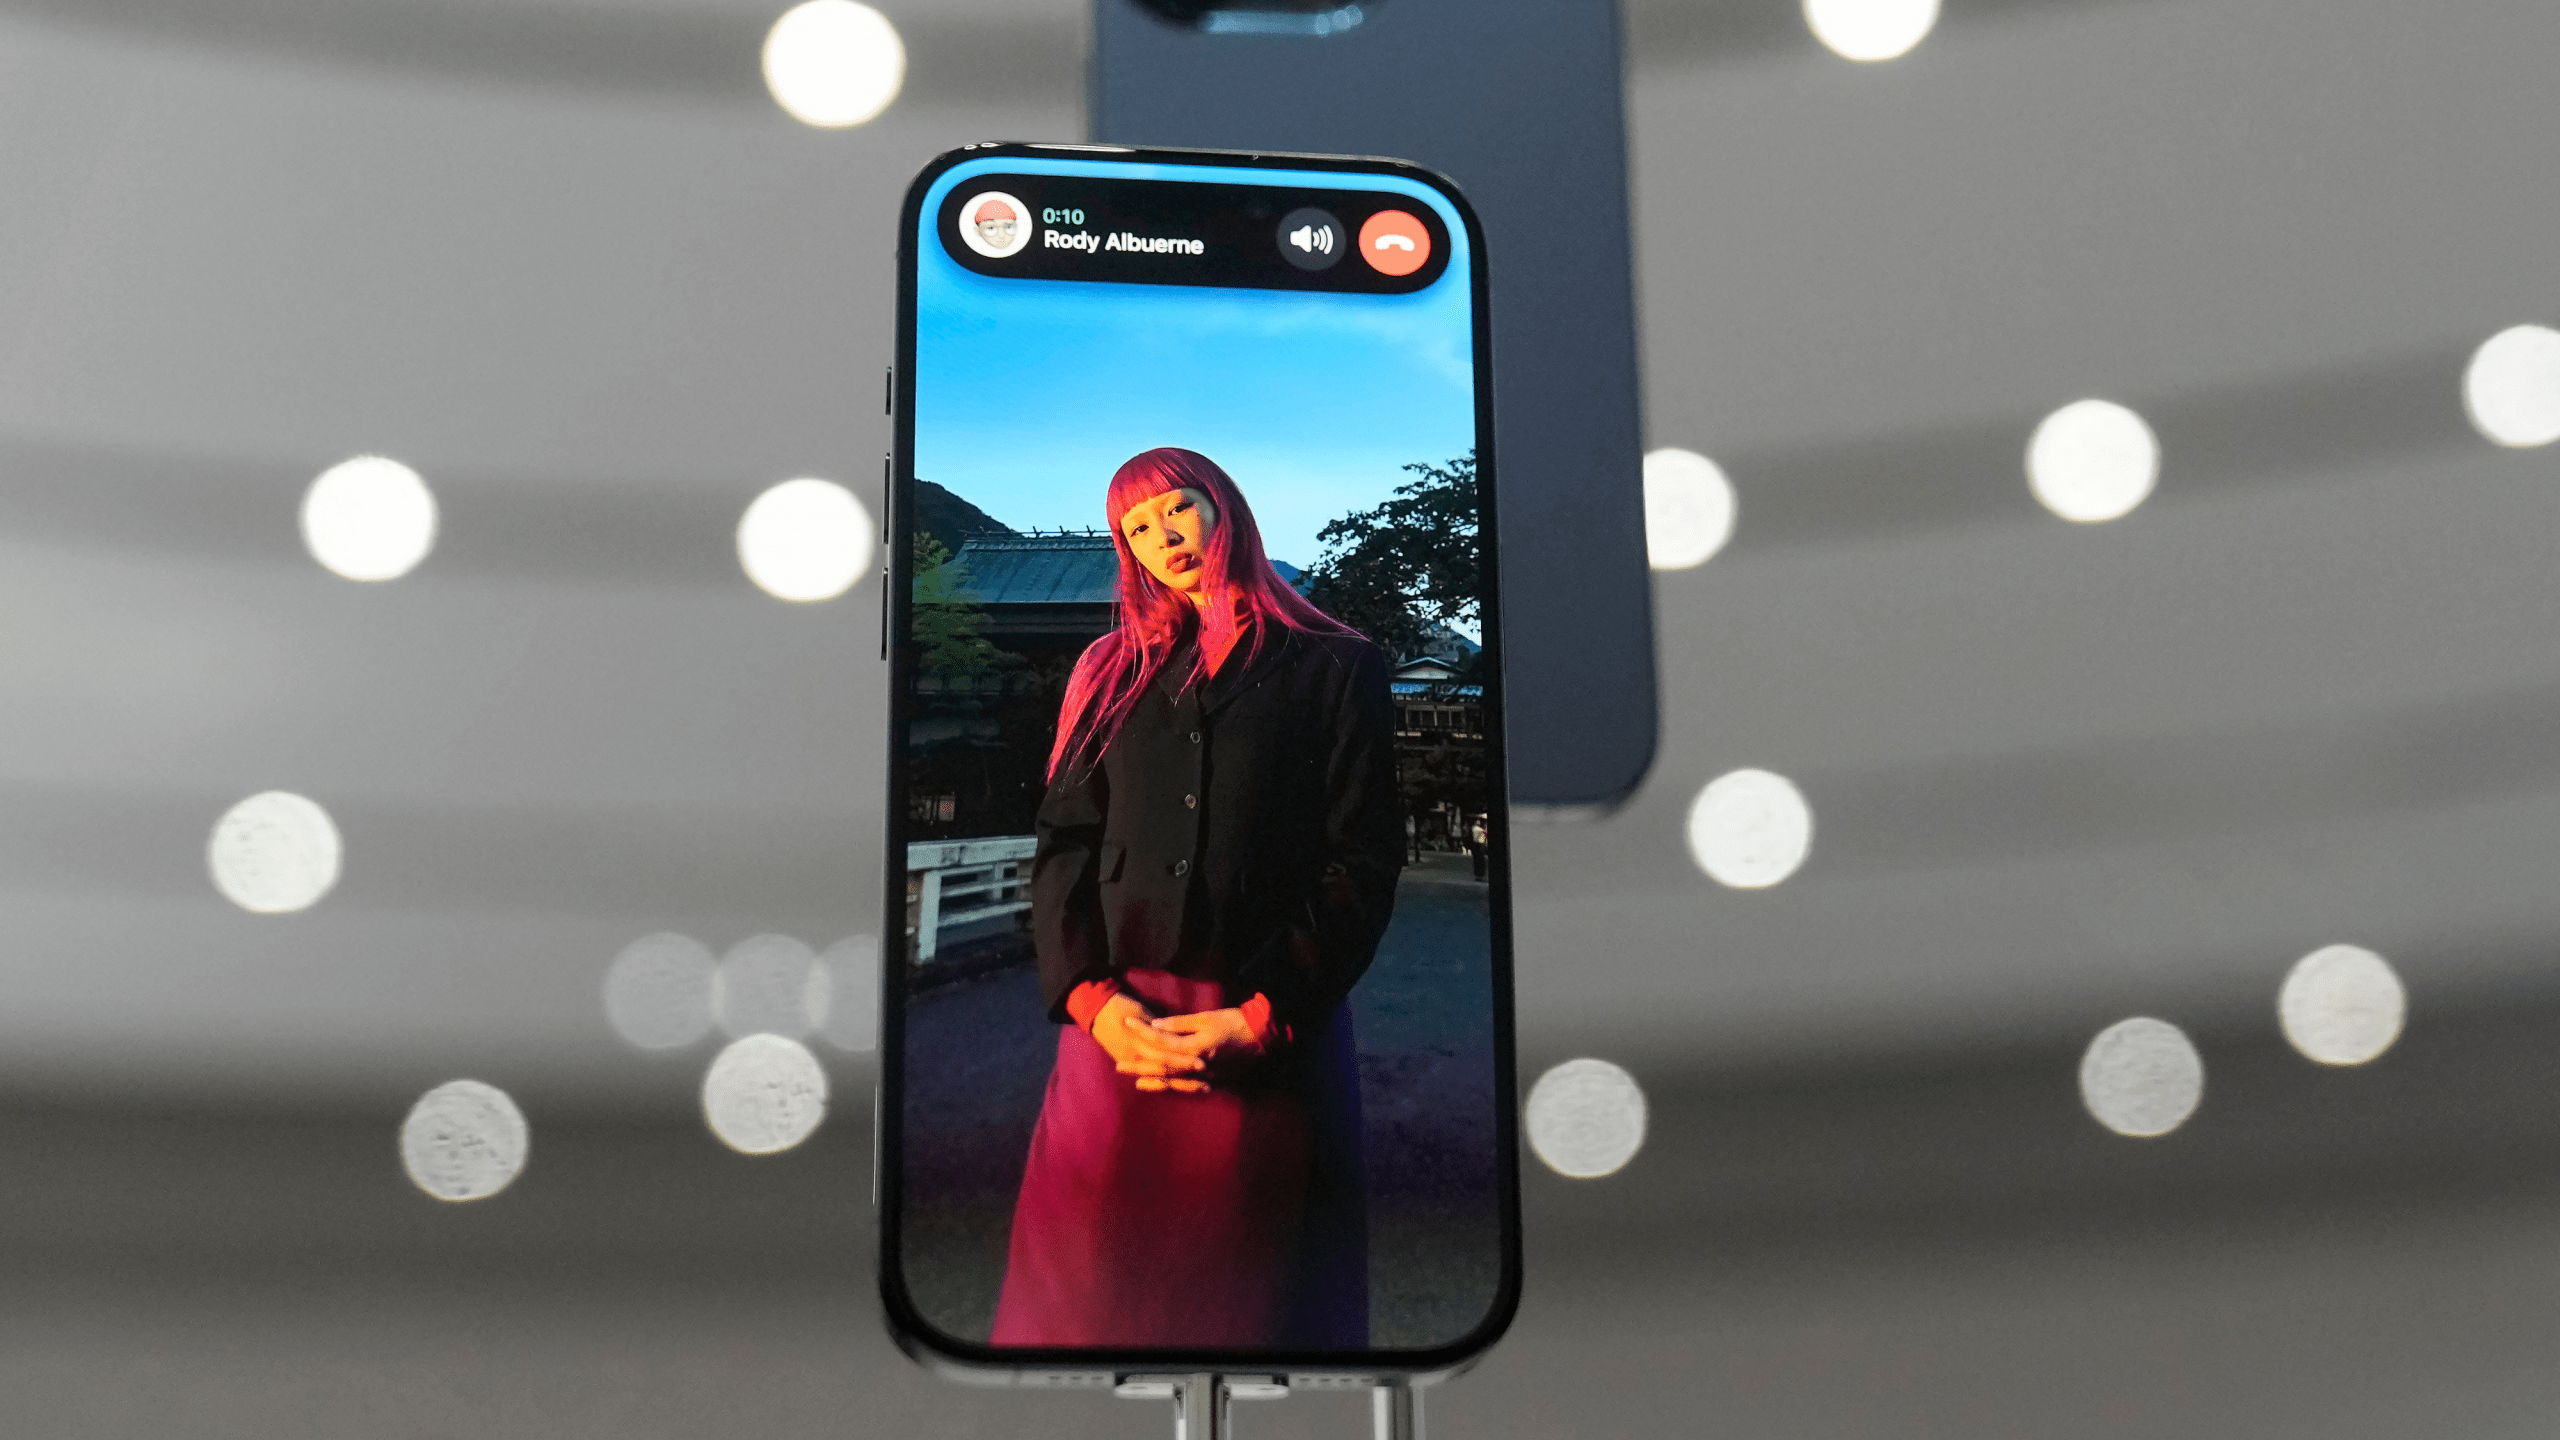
1198, 1054
1522, 101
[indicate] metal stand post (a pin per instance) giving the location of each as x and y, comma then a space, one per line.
1201, 1402
1396, 1410
1200, 1409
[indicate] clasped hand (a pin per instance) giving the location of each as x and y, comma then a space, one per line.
1172, 1052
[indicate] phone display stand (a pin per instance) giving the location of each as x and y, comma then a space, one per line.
1521, 103
1201, 1402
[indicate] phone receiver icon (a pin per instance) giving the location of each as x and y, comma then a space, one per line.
1394, 242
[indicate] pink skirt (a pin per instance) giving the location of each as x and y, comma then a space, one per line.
1225, 1220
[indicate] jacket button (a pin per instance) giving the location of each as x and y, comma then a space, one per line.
1181, 867
1195, 737
1190, 802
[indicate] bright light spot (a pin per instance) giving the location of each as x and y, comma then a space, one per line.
1870, 29
2342, 1005
2512, 388
834, 63
852, 966
2141, 1077
2092, 460
273, 853
369, 518
1586, 1119
769, 984
658, 991
1750, 829
805, 540
1688, 509
464, 1141
764, 1094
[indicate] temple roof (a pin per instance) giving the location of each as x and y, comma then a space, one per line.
1078, 568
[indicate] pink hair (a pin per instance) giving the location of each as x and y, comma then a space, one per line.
1154, 619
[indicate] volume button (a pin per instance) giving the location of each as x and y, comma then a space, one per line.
884, 554
889, 391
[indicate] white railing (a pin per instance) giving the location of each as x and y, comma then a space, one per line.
956, 882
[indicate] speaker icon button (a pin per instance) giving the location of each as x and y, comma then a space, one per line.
1311, 239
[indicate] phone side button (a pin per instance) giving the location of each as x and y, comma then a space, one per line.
885, 459
889, 391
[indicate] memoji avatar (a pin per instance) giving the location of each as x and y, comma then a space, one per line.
995, 225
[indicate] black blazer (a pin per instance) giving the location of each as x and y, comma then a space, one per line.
1248, 834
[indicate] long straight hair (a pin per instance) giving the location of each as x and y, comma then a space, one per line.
1247, 600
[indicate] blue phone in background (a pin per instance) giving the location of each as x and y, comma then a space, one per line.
1520, 102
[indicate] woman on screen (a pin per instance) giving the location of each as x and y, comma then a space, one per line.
1217, 857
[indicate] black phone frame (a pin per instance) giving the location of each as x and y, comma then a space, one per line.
1090, 1368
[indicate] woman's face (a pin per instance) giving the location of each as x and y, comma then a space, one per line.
1169, 533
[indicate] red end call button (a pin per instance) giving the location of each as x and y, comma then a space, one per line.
1394, 243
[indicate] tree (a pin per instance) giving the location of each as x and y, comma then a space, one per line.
956, 748
948, 620
1405, 573
1401, 569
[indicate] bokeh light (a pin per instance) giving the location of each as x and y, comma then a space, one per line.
2142, 1077
1870, 29
2512, 386
1586, 1119
2342, 1005
657, 992
1750, 829
805, 540
2092, 460
1688, 509
274, 853
834, 63
769, 984
764, 1094
464, 1141
853, 1009
369, 518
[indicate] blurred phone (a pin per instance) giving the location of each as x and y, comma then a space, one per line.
1521, 102
1198, 1055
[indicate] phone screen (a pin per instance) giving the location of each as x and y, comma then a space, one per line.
1200, 1042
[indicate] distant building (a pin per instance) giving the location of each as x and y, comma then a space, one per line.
1440, 744
1041, 592
1433, 704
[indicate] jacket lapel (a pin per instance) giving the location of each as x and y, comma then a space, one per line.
1171, 678
1236, 678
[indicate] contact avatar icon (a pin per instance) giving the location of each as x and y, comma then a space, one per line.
995, 224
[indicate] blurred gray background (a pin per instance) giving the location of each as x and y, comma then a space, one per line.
570, 261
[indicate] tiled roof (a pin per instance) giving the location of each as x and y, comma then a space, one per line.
1454, 692
1073, 569
1078, 568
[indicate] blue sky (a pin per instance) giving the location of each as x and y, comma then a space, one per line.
1031, 393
